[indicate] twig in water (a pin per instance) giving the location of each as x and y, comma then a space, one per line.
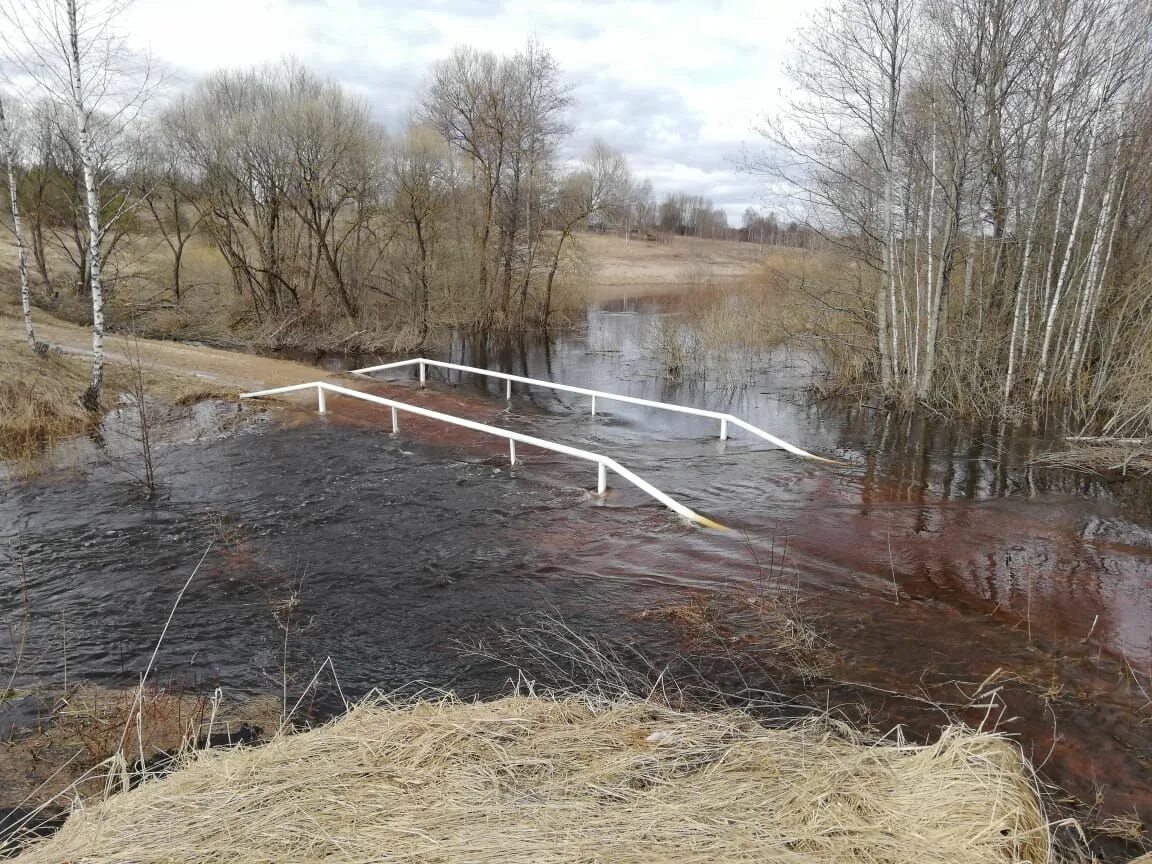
135, 710
21, 643
1028, 607
64, 636
892, 563
1092, 629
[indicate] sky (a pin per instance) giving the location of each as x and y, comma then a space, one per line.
678, 86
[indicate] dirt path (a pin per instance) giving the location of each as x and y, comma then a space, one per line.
231, 369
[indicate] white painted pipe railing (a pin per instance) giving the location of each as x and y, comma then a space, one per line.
603, 462
423, 362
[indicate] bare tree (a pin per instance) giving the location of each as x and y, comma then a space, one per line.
169, 194
505, 117
71, 49
597, 190
972, 158
9, 149
421, 178
289, 173
836, 142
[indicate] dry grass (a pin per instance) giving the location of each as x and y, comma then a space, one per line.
39, 399
1123, 460
39, 396
84, 725
726, 325
759, 630
614, 264
534, 779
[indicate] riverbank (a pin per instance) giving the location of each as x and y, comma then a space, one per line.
541, 779
39, 395
945, 571
37, 398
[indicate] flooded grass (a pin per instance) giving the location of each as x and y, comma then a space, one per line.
40, 397
59, 743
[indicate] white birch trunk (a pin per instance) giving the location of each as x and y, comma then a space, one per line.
17, 229
1091, 281
1023, 293
1058, 289
92, 205
929, 296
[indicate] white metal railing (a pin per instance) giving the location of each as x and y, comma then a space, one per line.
725, 419
603, 462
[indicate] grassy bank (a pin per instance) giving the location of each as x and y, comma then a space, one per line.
537, 779
39, 396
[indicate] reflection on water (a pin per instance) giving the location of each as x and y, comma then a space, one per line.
988, 557
936, 547
953, 510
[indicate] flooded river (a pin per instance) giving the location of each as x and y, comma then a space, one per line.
939, 565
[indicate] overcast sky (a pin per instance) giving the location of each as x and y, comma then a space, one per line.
676, 85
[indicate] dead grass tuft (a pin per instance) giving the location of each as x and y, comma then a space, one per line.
1121, 460
39, 396
39, 400
84, 725
748, 629
539, 779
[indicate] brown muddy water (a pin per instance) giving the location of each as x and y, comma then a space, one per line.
950, 577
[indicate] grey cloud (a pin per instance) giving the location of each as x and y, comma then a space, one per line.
464, 8
629, 117
662, 138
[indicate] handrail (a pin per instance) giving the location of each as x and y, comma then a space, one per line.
723, 417
604, 462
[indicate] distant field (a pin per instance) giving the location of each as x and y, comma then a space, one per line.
614, 263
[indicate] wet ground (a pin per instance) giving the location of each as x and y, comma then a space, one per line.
943, 569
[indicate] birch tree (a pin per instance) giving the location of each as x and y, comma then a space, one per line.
73, 53
974, 160
9, 151
835, 142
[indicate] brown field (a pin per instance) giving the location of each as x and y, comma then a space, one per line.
647, 266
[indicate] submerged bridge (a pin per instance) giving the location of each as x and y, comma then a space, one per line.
603, 463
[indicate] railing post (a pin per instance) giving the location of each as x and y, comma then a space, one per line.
320, 404
508, 394
395, 422
723, 429
593, 406
601, 479
512, 451
423, 374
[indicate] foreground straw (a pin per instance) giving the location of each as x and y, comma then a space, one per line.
529, 779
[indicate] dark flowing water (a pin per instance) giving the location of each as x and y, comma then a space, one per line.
935, 560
